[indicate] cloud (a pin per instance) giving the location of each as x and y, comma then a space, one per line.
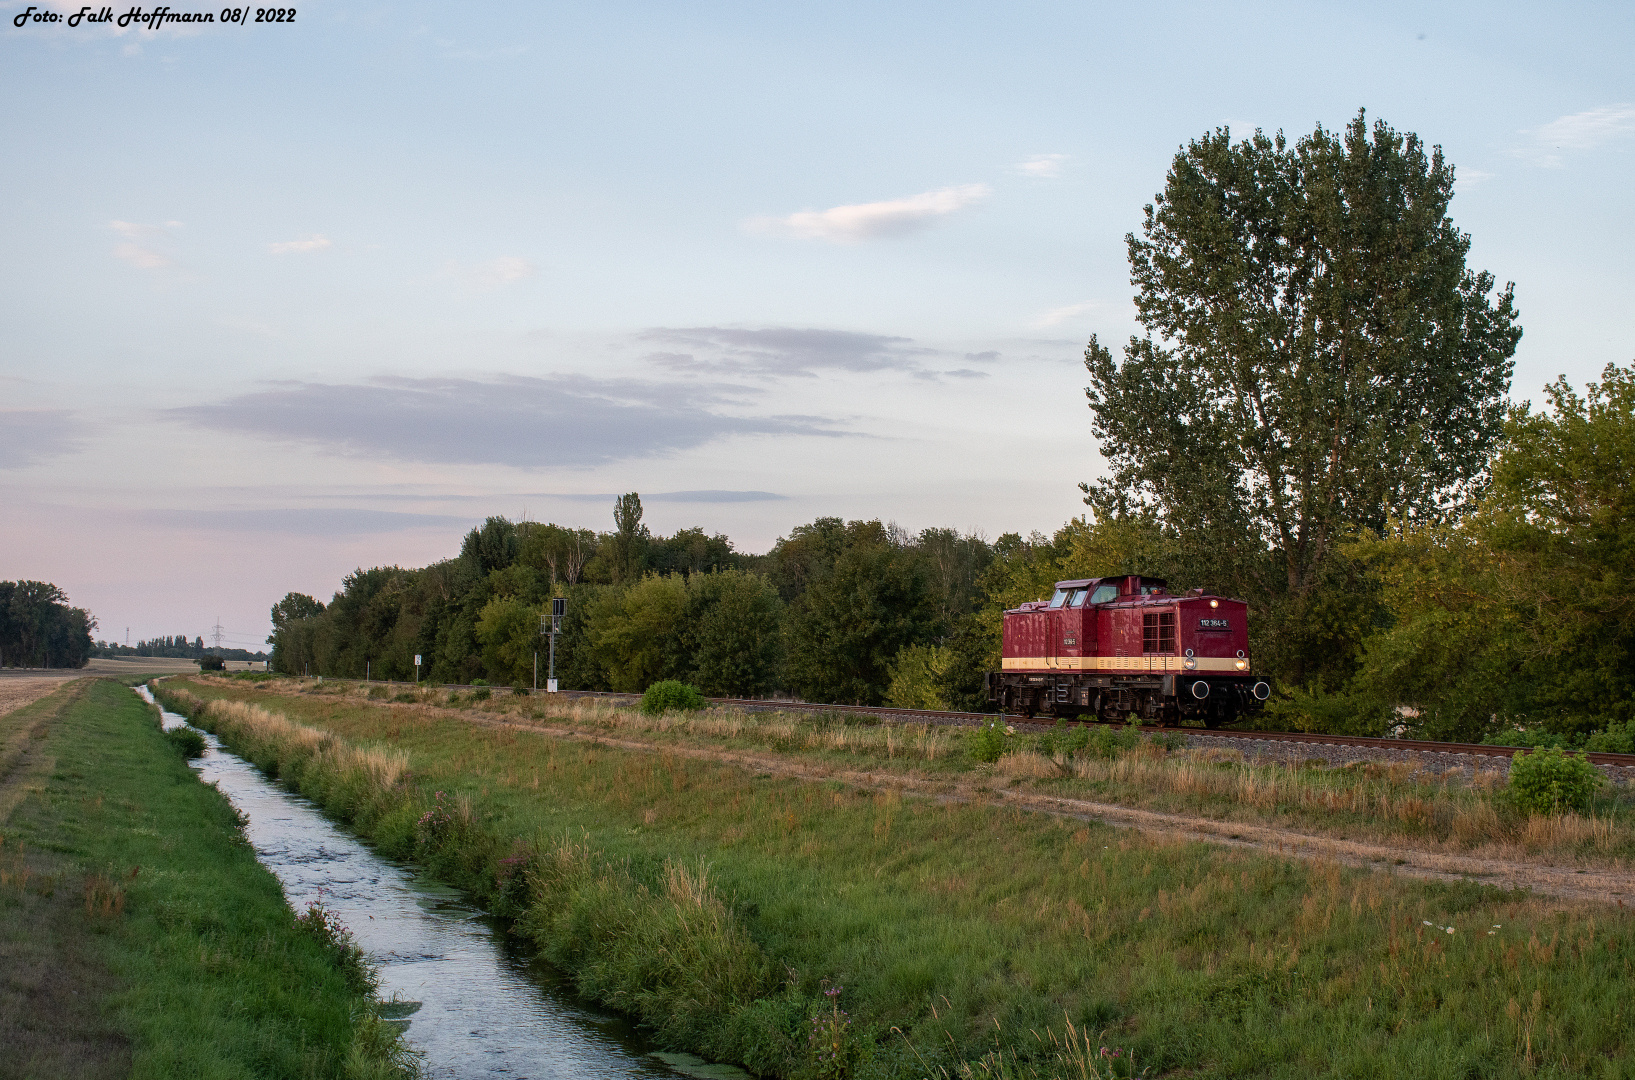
1057, 316
493, 274
870, 221
782, 351
1042, 166
1580, 131
141, 242
322, 521
507, 420
30, 436
315, 242
505, 270
677, 496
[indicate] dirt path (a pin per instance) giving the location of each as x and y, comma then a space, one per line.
1569, 883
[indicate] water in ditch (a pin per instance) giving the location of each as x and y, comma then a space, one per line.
477, 1004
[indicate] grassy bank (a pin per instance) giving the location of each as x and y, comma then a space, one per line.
723, 907
1386, 803
140, 935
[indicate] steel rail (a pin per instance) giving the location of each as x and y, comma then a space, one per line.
1626, 761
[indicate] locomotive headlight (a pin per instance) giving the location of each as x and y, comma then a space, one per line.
1189, 663
1214, 603
1243, 665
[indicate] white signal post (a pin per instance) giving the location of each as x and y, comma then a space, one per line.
417, 669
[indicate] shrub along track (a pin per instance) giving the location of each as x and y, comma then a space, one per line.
1610, 886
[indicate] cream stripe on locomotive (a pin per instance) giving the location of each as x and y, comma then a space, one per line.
1222, 664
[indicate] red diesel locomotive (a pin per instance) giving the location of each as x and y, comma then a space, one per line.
1123, 647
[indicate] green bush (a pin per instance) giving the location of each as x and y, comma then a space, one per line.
672, 695
482, 693
188, 741
1551, 780
1614, 739
1109, 741
988, 742
1170, 741
1534, 738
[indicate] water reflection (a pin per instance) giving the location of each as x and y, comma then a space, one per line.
485, 1008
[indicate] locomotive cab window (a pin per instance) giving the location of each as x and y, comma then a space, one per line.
1059, 598
1076, 599
1158, 632
1104, 594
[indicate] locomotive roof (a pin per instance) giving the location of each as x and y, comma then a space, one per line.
1084, 583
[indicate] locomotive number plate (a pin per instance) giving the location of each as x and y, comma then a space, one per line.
1214, 624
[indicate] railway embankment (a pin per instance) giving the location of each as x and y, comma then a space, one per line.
139, 937
814, 898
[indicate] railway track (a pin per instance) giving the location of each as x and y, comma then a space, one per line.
964, 719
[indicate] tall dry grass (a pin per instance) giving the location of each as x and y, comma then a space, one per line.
257, 727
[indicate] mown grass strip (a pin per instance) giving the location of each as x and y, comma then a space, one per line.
141, 936
720, 907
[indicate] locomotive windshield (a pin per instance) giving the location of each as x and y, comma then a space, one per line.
1077, 599
1059, 598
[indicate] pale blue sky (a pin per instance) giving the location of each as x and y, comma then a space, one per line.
398, 267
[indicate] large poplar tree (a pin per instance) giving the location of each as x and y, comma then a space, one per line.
1318, 356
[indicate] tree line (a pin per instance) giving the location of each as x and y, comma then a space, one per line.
39, 629
827, 614
178, 647
1316, 419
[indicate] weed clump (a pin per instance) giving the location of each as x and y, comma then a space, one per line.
322, 925
989, 742
671, 695
1550, 780
189, 742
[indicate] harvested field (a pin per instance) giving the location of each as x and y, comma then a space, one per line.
17, 692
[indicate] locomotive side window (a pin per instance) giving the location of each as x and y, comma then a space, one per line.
1104, 594
1158, 632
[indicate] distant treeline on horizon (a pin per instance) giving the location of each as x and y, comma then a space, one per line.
178, 647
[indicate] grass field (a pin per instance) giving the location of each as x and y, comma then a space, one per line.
1388, 803
959, 938
139, 936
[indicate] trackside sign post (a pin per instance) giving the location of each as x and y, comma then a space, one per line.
553, 627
